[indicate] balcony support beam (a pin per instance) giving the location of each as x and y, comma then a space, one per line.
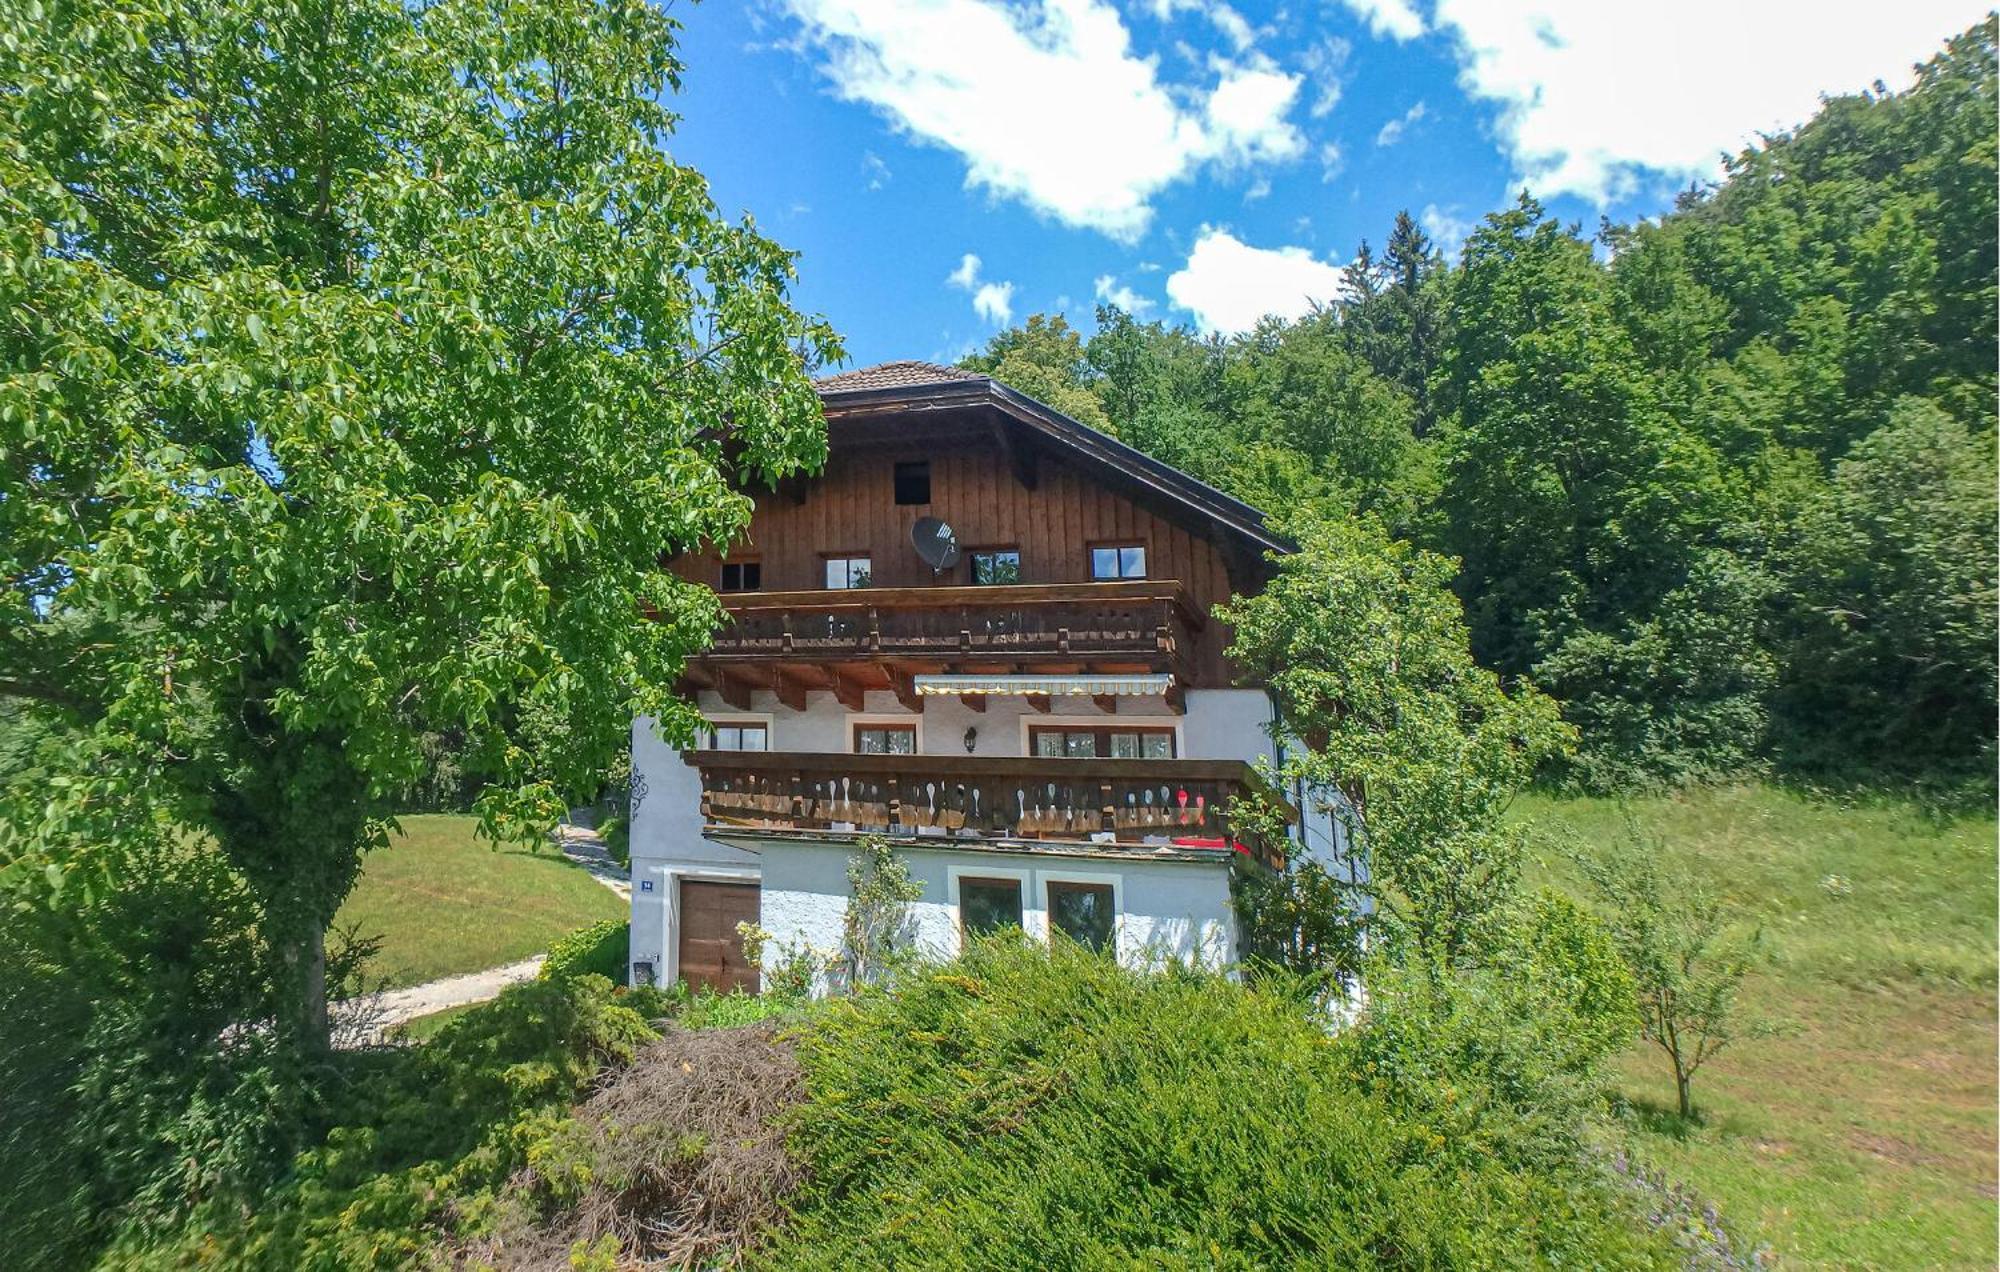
905, 685
733, 691
846, 691
1137, 626
1021, 456
790, 692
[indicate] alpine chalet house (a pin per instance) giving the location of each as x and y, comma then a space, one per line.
984, 632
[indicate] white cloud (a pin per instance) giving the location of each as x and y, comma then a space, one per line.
1394, 19
953, 351
1602, 100
1259, 189
1324, 62
878, 171
1047, 102
1392, 132
1228, 21
966, 276
1228, 285
1448, 230
1331, 161
1233, 27
992, 301
1246, 115
1109, 290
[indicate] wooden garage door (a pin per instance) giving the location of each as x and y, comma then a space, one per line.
711, 949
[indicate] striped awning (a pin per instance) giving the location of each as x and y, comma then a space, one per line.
1051, 686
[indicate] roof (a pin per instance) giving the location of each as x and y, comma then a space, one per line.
892, 375
901, 387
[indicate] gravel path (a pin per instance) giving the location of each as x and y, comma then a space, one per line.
583, 846
364, 1022
361, 1022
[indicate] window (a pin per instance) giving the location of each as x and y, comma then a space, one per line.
987, 905
913, 481
739, 737
1118, 561
848, 571
1108, 744
885, 739
742, 576
1082, 912
996, 566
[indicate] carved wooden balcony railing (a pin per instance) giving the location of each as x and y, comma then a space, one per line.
1143, 620
1168, 806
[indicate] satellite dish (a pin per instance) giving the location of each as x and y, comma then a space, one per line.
935, 543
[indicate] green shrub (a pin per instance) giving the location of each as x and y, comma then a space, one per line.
1480, 1058
1575, 962
122, 1086
616, 832
425, 1137
1023, 1107
602, 949
705, 1009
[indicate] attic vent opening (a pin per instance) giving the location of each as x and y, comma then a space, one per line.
913, 481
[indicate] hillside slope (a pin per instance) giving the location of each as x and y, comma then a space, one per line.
1863, 1134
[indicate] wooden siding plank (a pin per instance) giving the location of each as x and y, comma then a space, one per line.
851, 507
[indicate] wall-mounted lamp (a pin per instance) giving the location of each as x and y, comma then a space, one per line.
971, 739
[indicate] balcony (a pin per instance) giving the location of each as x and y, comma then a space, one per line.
1173, 809
1140, 625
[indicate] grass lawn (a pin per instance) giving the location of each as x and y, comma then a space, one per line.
1863, 1135
425, 1028
444, 902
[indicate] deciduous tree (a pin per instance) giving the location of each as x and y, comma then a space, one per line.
1044, 359
1420, 749
361, 363
1686, 952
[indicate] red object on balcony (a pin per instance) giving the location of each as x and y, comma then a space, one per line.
1193, 841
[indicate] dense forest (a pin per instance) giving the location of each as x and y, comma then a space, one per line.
1724, 482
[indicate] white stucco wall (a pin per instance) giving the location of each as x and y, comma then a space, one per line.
1174, 905
1166, 909
668, 846
1219, 724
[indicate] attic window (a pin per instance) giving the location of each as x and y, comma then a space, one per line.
913, 481
1118, 561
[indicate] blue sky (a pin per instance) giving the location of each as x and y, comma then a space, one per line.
945, 167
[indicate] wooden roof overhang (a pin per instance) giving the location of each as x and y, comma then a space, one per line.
1025, 429
849, 643
849, 679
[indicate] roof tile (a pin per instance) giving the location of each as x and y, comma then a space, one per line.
892, 375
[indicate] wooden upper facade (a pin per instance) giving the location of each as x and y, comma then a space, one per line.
1078, 554
1079, 558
